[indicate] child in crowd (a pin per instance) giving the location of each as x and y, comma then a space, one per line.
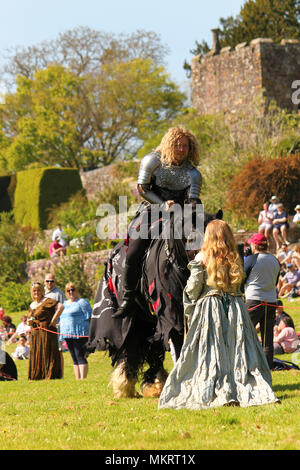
22, 350
285, 337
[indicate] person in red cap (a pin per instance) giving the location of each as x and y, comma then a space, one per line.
262, 272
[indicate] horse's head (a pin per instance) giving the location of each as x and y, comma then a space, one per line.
209, 217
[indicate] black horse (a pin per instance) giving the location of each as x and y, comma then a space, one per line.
156, 320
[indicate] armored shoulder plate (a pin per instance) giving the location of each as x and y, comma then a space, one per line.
148, 164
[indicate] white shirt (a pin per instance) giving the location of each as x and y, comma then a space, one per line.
61, 234
296, 218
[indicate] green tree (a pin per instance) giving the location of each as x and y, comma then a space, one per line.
59, 118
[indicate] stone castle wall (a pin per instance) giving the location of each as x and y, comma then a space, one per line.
229, 79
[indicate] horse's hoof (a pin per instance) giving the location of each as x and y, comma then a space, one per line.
152, 389
122, 385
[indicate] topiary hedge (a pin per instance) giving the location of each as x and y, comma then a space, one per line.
7, 184
39, 189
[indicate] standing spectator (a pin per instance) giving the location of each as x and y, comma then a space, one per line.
285, 338
53, 292
74, 328
265, 220
22, 329
296, 218
290, 280
51, 289
10, 328
44, 358
273, 204
280, 225
59, 232
262, 270
56, 249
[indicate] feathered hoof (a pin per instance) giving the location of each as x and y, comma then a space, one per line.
154, 388
122, 385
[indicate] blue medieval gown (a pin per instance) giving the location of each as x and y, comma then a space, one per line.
222, 361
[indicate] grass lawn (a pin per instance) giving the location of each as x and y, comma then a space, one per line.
77, 415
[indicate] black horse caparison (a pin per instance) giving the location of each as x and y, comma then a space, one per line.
156, 319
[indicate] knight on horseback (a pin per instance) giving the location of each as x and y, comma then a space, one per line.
167, 176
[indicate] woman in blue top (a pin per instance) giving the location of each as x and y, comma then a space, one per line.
74, 328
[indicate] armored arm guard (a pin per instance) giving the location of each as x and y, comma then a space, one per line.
196, 184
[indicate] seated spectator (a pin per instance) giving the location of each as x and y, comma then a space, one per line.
286, 340
296, 218
8, 370
280, 225
296, 257
265, 220
22, 350
3, 334
10, 328
56, 249
59, 232
284, 255
273, 204
280, 314
290, 280
22, 329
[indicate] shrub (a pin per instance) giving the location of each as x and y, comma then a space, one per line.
13, 254
15, 296
259, 179
39, 189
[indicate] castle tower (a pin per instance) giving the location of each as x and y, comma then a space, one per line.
229, 79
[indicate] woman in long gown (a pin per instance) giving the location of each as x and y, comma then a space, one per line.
222, 361
44, 356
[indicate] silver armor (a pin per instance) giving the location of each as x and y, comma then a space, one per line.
171, 177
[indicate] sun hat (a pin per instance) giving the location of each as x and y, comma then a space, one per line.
274, 197
290, 265
257, 239
297, 207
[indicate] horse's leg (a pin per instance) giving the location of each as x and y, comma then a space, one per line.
154, 378
125, 375
177, 340
123, 380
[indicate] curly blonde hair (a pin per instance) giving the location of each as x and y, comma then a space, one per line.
223, 263
169, 140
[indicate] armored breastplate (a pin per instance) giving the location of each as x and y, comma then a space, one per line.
174, 178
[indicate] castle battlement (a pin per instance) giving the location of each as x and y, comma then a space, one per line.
227, 79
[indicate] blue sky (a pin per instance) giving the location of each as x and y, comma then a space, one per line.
179, 23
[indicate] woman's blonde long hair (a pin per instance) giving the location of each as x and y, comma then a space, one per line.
169, 140
223, 263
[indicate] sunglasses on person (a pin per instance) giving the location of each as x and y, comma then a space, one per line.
49, 280
71, 290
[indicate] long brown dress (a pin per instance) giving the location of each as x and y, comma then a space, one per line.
44, 356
